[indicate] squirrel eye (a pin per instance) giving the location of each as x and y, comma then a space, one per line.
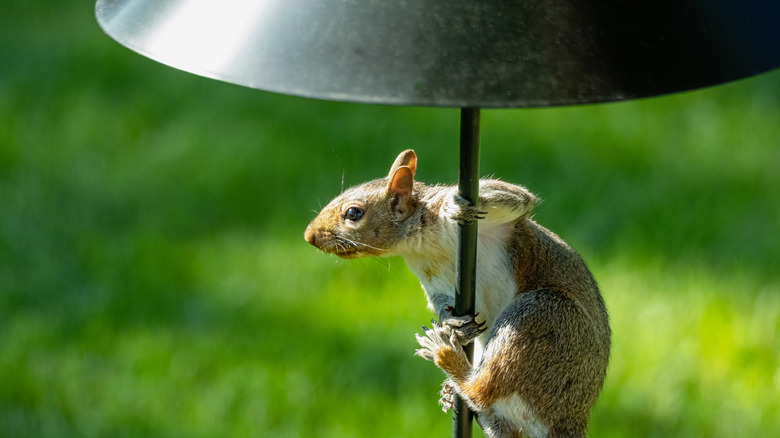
353, 213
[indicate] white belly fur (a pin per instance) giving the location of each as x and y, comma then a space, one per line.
496, 288
516, 412
495, 283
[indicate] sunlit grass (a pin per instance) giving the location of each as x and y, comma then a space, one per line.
694, 353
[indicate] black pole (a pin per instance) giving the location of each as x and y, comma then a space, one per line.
466, 269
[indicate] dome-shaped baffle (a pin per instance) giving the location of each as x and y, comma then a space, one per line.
458, 53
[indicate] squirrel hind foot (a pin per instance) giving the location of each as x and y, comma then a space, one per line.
447, 393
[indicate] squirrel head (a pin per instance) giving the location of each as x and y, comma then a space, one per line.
367, 220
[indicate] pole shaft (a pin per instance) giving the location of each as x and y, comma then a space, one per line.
466, 269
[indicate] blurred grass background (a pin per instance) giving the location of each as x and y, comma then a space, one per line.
154, 280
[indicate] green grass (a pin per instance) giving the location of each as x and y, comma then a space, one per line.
154, 280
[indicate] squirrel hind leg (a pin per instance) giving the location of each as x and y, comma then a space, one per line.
493, 426
483, 388
550, 368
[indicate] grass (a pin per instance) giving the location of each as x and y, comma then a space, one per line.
154, 280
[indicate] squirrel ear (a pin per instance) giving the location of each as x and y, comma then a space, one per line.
401, 181
406, 158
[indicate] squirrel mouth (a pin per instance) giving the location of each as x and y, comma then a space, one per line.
346, 254
328, 244
347, 250
332, 244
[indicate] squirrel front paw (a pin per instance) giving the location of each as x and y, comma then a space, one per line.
467, 212
466, 328
437, 342
441, 346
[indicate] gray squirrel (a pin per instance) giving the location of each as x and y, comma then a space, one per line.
542, 346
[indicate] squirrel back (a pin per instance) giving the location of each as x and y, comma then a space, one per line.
542, 348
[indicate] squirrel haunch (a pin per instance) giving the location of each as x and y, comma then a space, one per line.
542, 349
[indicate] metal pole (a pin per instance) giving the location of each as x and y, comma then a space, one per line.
466, 269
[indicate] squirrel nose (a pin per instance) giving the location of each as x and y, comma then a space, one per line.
309, 236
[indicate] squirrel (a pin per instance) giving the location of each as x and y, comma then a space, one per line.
542, 347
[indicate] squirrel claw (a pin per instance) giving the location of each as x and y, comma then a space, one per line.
464, 328
467, 212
